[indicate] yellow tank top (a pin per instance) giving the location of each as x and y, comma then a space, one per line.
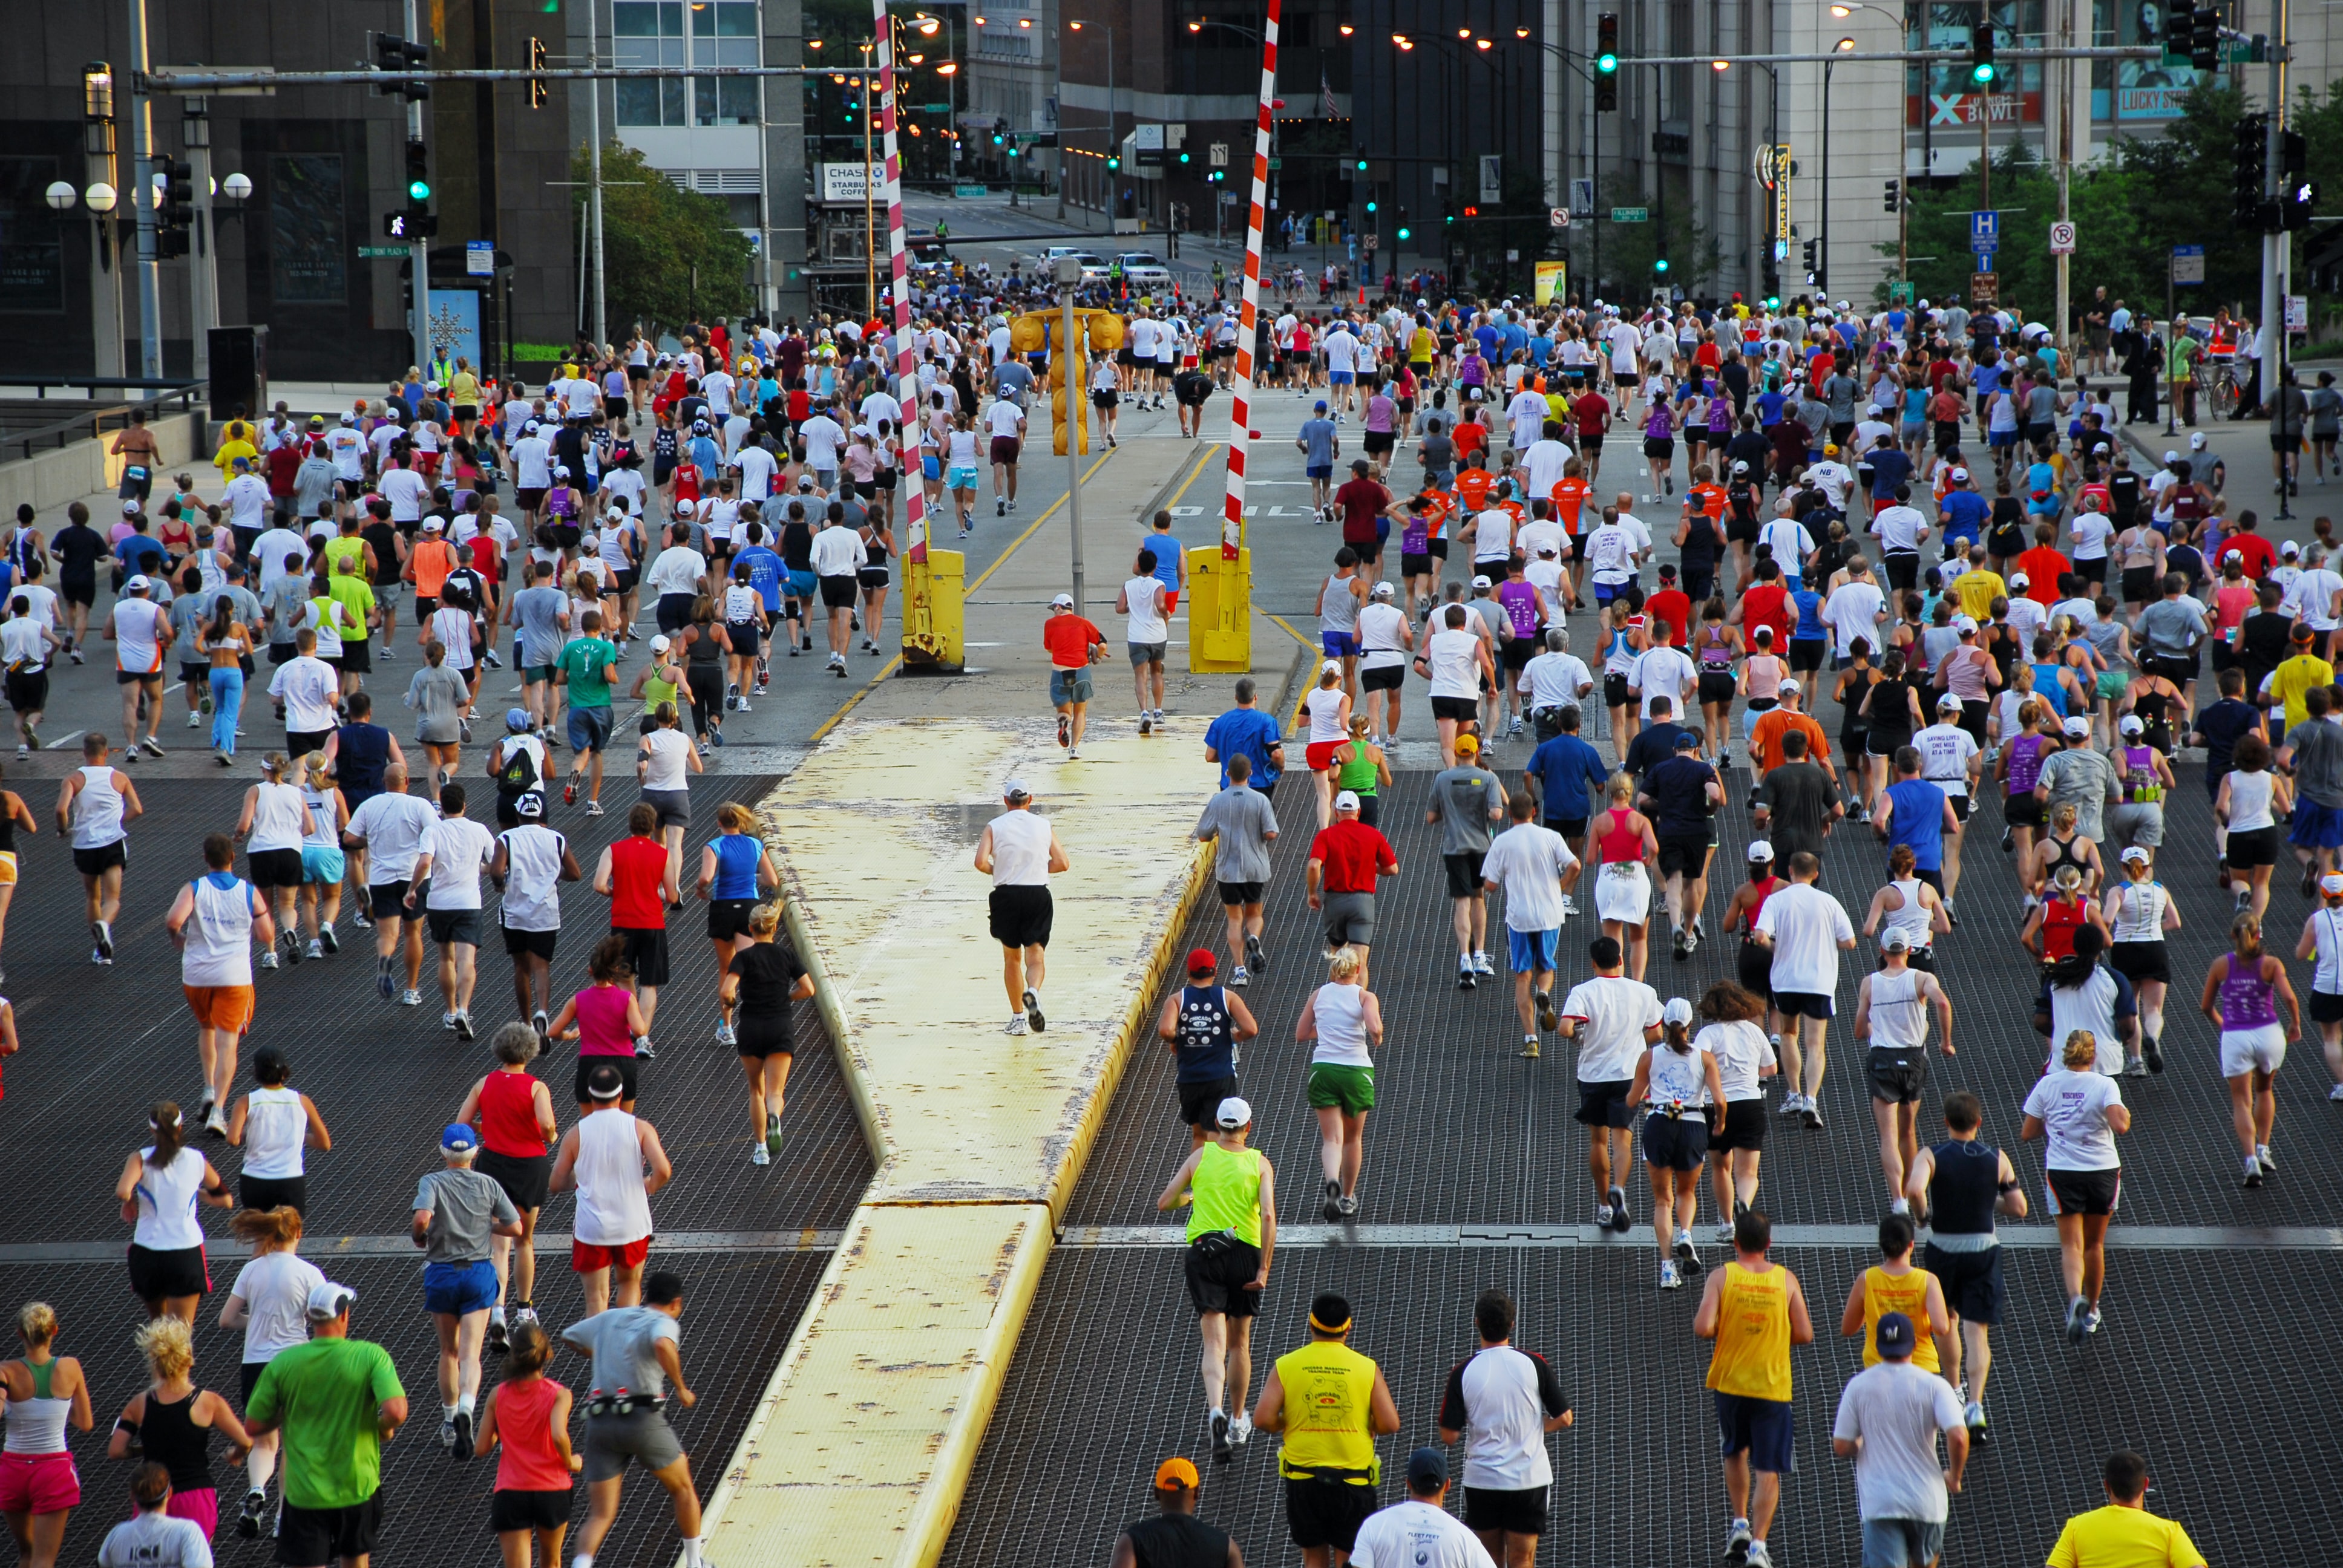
346, 548
1329, 1388
1884, 1293
1752, 1335
1227, 1188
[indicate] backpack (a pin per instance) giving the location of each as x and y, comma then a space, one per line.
518, 772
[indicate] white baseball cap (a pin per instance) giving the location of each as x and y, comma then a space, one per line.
1233, 1113
1760, 850
2131, 725
1678, 1010
1791, 685
1066, 601
2076, 726
1348, 800
2136, 853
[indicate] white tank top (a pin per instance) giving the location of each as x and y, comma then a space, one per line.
2139, 913
37, 1427
97, 810
1325, 706
741, 603
1147, 624
276, 819
2326, 925
166, 1201
2249, 802
612, 1208
219, 935
1899, 1017
1342, 1026
1021, 851
275, 1126
322, 834
1911, 919
1677, 1080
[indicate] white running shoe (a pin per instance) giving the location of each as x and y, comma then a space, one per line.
724, 1035
758, 1155
1016, 1025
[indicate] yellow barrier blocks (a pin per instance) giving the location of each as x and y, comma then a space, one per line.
1219, 612
864, 1440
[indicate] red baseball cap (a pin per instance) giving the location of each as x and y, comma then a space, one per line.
1202, 961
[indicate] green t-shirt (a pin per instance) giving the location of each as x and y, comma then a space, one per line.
585, 664
324, 1394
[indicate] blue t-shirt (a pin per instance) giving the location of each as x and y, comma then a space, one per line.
1769, 409
765, 574
1251, 733
1889, 467
1567, 770
1168, 551
1963, 514
1318, 442
736, 858
1810, 628
1918, 820
1986, 381
139, 553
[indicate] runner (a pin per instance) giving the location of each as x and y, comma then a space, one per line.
637, 874
1960, 1185
528, 1414
1420, 1530
213, 923
39, 1487
267, 1303
337, 1401
95, 807
140, 630
1801, 925
1464, 800
160, 1189
1173, 1534
1231, 1192
1891, 1017
1613, 1020
2243, 991
1344, 1022
1075, 645
273, 826
1331, 1402
273, 1124
1242, 826
1756, 1311
1624, 847
1683, 794
2079, 1110
171, 1423
1535, 869
2124, 1531
586, 669
636, 1351
1888, 1417
2138, 913
323, 867
1682, 1096
1385, 641
615, 1162
390, 827
1147, 604
458, 1211
27, 640
1501, 1401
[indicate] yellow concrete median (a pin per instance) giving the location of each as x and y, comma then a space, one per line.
864, 1439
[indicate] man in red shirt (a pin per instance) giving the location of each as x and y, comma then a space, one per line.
1670, 606
2043, 566
1591, 412
282, 463
1345, 858
2252, 549
634, 874
1075, 645
1363, 502
1765, 605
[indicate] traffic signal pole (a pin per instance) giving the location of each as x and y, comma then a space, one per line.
142, 200
419, 247
2277, 248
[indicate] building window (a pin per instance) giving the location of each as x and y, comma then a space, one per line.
649, 33
724, 32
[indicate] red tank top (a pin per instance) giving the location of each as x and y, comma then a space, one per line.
638, 867
2061, 919
508, 1116
1618, 842
527, 1460
1765, 889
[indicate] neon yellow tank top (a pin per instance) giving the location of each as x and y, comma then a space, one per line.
1227, 1186
1329, 1388
1752, 1335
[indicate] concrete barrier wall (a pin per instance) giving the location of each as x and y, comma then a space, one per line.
87, 468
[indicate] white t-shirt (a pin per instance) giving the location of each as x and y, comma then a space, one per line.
664, 752
1529, 863
2090, 531
392, 828
2073, 1107
757, 470
1897, 1409
1545, 461
1791, 545
1741, 1052
1853, 610
405, 490
1005, 420
532, 900
1413, 1534
1147, 625
1663, 671
1945, 751
1807, 925
1501, 1398
276, 1288
138, 626
460, 848
1899, 527
1612, 1012
1453, 659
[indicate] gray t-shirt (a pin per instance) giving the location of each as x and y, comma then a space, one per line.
538, 611
2079, 777
1467, 803
2317, 746
188, 613
1839, 390
1317, 436
437, 694
2171, 626
1012, 380
623, 1343
1237, 818
463, 1203
288, 602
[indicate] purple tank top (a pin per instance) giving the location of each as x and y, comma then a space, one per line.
2024, 763
2246, 998
1520, 600
1662, 424
1715, 652
1720, 415
1416, 534
602, 1022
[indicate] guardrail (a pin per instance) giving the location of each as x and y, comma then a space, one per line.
92, 423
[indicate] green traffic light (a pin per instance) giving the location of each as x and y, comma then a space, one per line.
1114, 163
418, 190
1371, 206
1406, 234
1362, 164
1606, 64
1184, 157
1661, 265
1983, 73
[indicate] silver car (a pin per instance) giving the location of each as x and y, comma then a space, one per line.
1143, 267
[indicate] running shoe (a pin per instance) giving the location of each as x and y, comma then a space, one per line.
1669, 1278
1240, 978
448, 1022
103, 931
1482, 966
1758, 1557
1547, 1018
1736, 1544
1569, 906
1603, 1216
1016, 1024
195, 720
593, 807
1811, 1112
772, 1132
643, 1050
1222, 1449
2151, 1051
2091, 1323
295, 951
498, 1341
361, 918
382, 980
2262, 1156
268, 959
316, 948
724, 1035
463, 1434
1791, 1103
569, 793
1146, 725
1725, 1232
523, 1313
1333, 1207
1974, 1419
154, 747
1529, 1051
448, 1432
217, 1123
97, 956
247, 1521
1074, 753
1692, 940
1623, 1219
464, 1029
759, 1155
538, 1022
717, 735
23, 749
1677, 950
2136, 1067
1255, 959
2253, 1172
2077, 1311
1065, 730
1348, 1205
1033, 1011
410, 999
1241, 1430
1687, 1256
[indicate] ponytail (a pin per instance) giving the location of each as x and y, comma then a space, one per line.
1678, 1036
170, 1134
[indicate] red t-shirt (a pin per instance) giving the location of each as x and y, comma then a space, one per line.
1593, 413
1362, 500
1767, 604
1569, 500
2255, 551
1352, 852
1671, 607
1471, 437
1070, 638
282, 463
2042, 566
638, 867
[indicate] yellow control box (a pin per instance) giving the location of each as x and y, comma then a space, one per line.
934, 613
1219, 612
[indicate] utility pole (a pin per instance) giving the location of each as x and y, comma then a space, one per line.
600, 316
418, 248
869, 184
1070, 275
2066, 69
2277, 246
142, 198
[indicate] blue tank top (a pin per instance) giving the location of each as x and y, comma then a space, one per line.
1918, 820
1206, 1049
1810, 616
2047, 687
359, 756
737, 855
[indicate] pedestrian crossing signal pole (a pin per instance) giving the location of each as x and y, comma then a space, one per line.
1249, 316
907, 377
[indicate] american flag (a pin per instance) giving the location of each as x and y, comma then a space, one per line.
1326, 95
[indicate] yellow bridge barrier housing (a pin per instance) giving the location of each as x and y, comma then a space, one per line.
1219, 612
934, 613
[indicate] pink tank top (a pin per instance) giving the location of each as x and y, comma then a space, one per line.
1765, 672
602, 1022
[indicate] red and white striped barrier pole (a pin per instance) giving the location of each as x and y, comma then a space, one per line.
1241, 433
907, 375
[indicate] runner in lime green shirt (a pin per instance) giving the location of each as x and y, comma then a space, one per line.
337, 1401
1232, 1233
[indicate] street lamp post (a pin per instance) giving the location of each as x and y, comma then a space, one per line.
100, 196
1822, 257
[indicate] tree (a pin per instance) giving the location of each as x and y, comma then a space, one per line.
673, 254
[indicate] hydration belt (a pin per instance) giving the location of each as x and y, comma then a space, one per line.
623, 1403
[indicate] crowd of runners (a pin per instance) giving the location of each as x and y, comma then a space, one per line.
1926, 516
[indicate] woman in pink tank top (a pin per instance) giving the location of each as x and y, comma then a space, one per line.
606, 1020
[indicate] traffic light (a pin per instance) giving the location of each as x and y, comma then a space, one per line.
1404, 232
174, 210
1661, 267
2205, 39
1606, 63
2296, 192
539, 89
1982, 70
1361, 165
396, 54
1470, 212
2180, 30
1814, 261
1894, 201
1113, 162
418, 171
2249, 175
409, 223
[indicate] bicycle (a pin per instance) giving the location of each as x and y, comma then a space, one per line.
2216, 385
